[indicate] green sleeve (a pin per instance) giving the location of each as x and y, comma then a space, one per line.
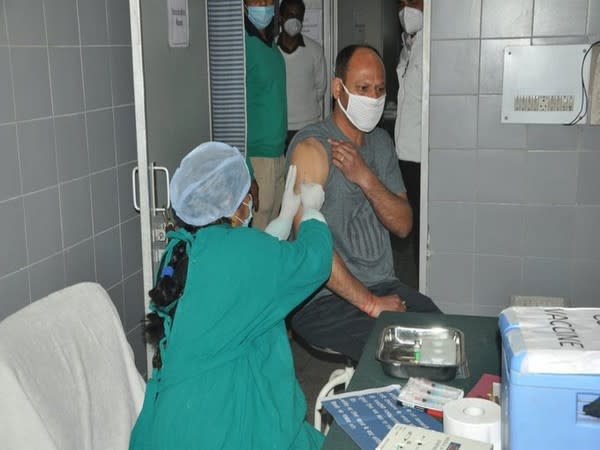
278, 275
308, 260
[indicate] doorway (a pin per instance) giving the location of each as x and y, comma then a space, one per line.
174, 105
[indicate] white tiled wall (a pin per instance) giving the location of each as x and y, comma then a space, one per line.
451, 56
467, 24
513, 209
67, 147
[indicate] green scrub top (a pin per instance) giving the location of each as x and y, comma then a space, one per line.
228, 379
266, 99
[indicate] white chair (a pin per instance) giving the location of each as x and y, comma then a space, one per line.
68, 380
337, 378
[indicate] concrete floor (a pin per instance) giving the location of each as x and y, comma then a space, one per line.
313, 369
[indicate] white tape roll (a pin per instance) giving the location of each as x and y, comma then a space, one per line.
473, 418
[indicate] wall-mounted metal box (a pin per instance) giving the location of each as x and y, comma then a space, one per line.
543, 83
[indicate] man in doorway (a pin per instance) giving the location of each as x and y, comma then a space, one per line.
407, 132
365, 200
306, 79
266, 111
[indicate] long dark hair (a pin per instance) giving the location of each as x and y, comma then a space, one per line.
168, 288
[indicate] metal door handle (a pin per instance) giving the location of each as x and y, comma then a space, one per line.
136, 205
168, 178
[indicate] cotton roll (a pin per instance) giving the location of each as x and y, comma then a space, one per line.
473, 418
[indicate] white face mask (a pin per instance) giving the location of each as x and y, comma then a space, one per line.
364, 112
292, 26
246, 221
411, 19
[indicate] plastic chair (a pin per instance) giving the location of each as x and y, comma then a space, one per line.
337, 378
68, 380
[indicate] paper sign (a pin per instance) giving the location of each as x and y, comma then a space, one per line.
312, 26
556, 340
178, 17
359, 28
553, 328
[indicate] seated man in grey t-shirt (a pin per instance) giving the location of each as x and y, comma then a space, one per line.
365, 199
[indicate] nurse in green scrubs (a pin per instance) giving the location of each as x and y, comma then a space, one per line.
224, 375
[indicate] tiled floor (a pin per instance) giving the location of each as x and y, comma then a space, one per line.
312, 368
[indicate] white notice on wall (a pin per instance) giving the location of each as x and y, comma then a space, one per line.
313, 24
177, 13
359, 28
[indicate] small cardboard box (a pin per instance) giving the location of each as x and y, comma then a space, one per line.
408, 437
550, 371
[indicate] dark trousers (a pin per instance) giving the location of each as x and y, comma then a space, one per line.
411, 174
334, 323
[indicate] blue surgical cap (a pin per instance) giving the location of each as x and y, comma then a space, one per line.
211, 182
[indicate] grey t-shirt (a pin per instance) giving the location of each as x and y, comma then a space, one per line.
359, 237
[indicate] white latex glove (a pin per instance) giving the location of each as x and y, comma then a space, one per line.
290, 201
312, 196
281, 226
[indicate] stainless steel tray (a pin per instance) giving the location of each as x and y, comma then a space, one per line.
433, 353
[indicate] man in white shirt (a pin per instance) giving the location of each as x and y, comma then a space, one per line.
306, 79
407, 131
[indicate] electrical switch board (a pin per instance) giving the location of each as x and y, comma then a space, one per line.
543, 84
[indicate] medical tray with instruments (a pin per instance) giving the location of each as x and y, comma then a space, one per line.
436, 353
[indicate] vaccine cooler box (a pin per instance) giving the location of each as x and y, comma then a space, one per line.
550, 371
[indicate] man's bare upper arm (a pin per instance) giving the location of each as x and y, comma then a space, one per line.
310, 158
312, 166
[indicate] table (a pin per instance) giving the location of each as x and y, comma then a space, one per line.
482, 344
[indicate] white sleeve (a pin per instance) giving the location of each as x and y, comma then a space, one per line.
320, 72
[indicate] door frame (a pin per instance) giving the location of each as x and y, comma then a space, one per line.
424, 253
330, 46
145, 181
144, 178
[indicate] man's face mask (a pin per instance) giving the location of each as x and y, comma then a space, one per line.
411, 19
260, 16
364, 112
292, 26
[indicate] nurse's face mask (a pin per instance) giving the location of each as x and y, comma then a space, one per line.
364, 112
246, 221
